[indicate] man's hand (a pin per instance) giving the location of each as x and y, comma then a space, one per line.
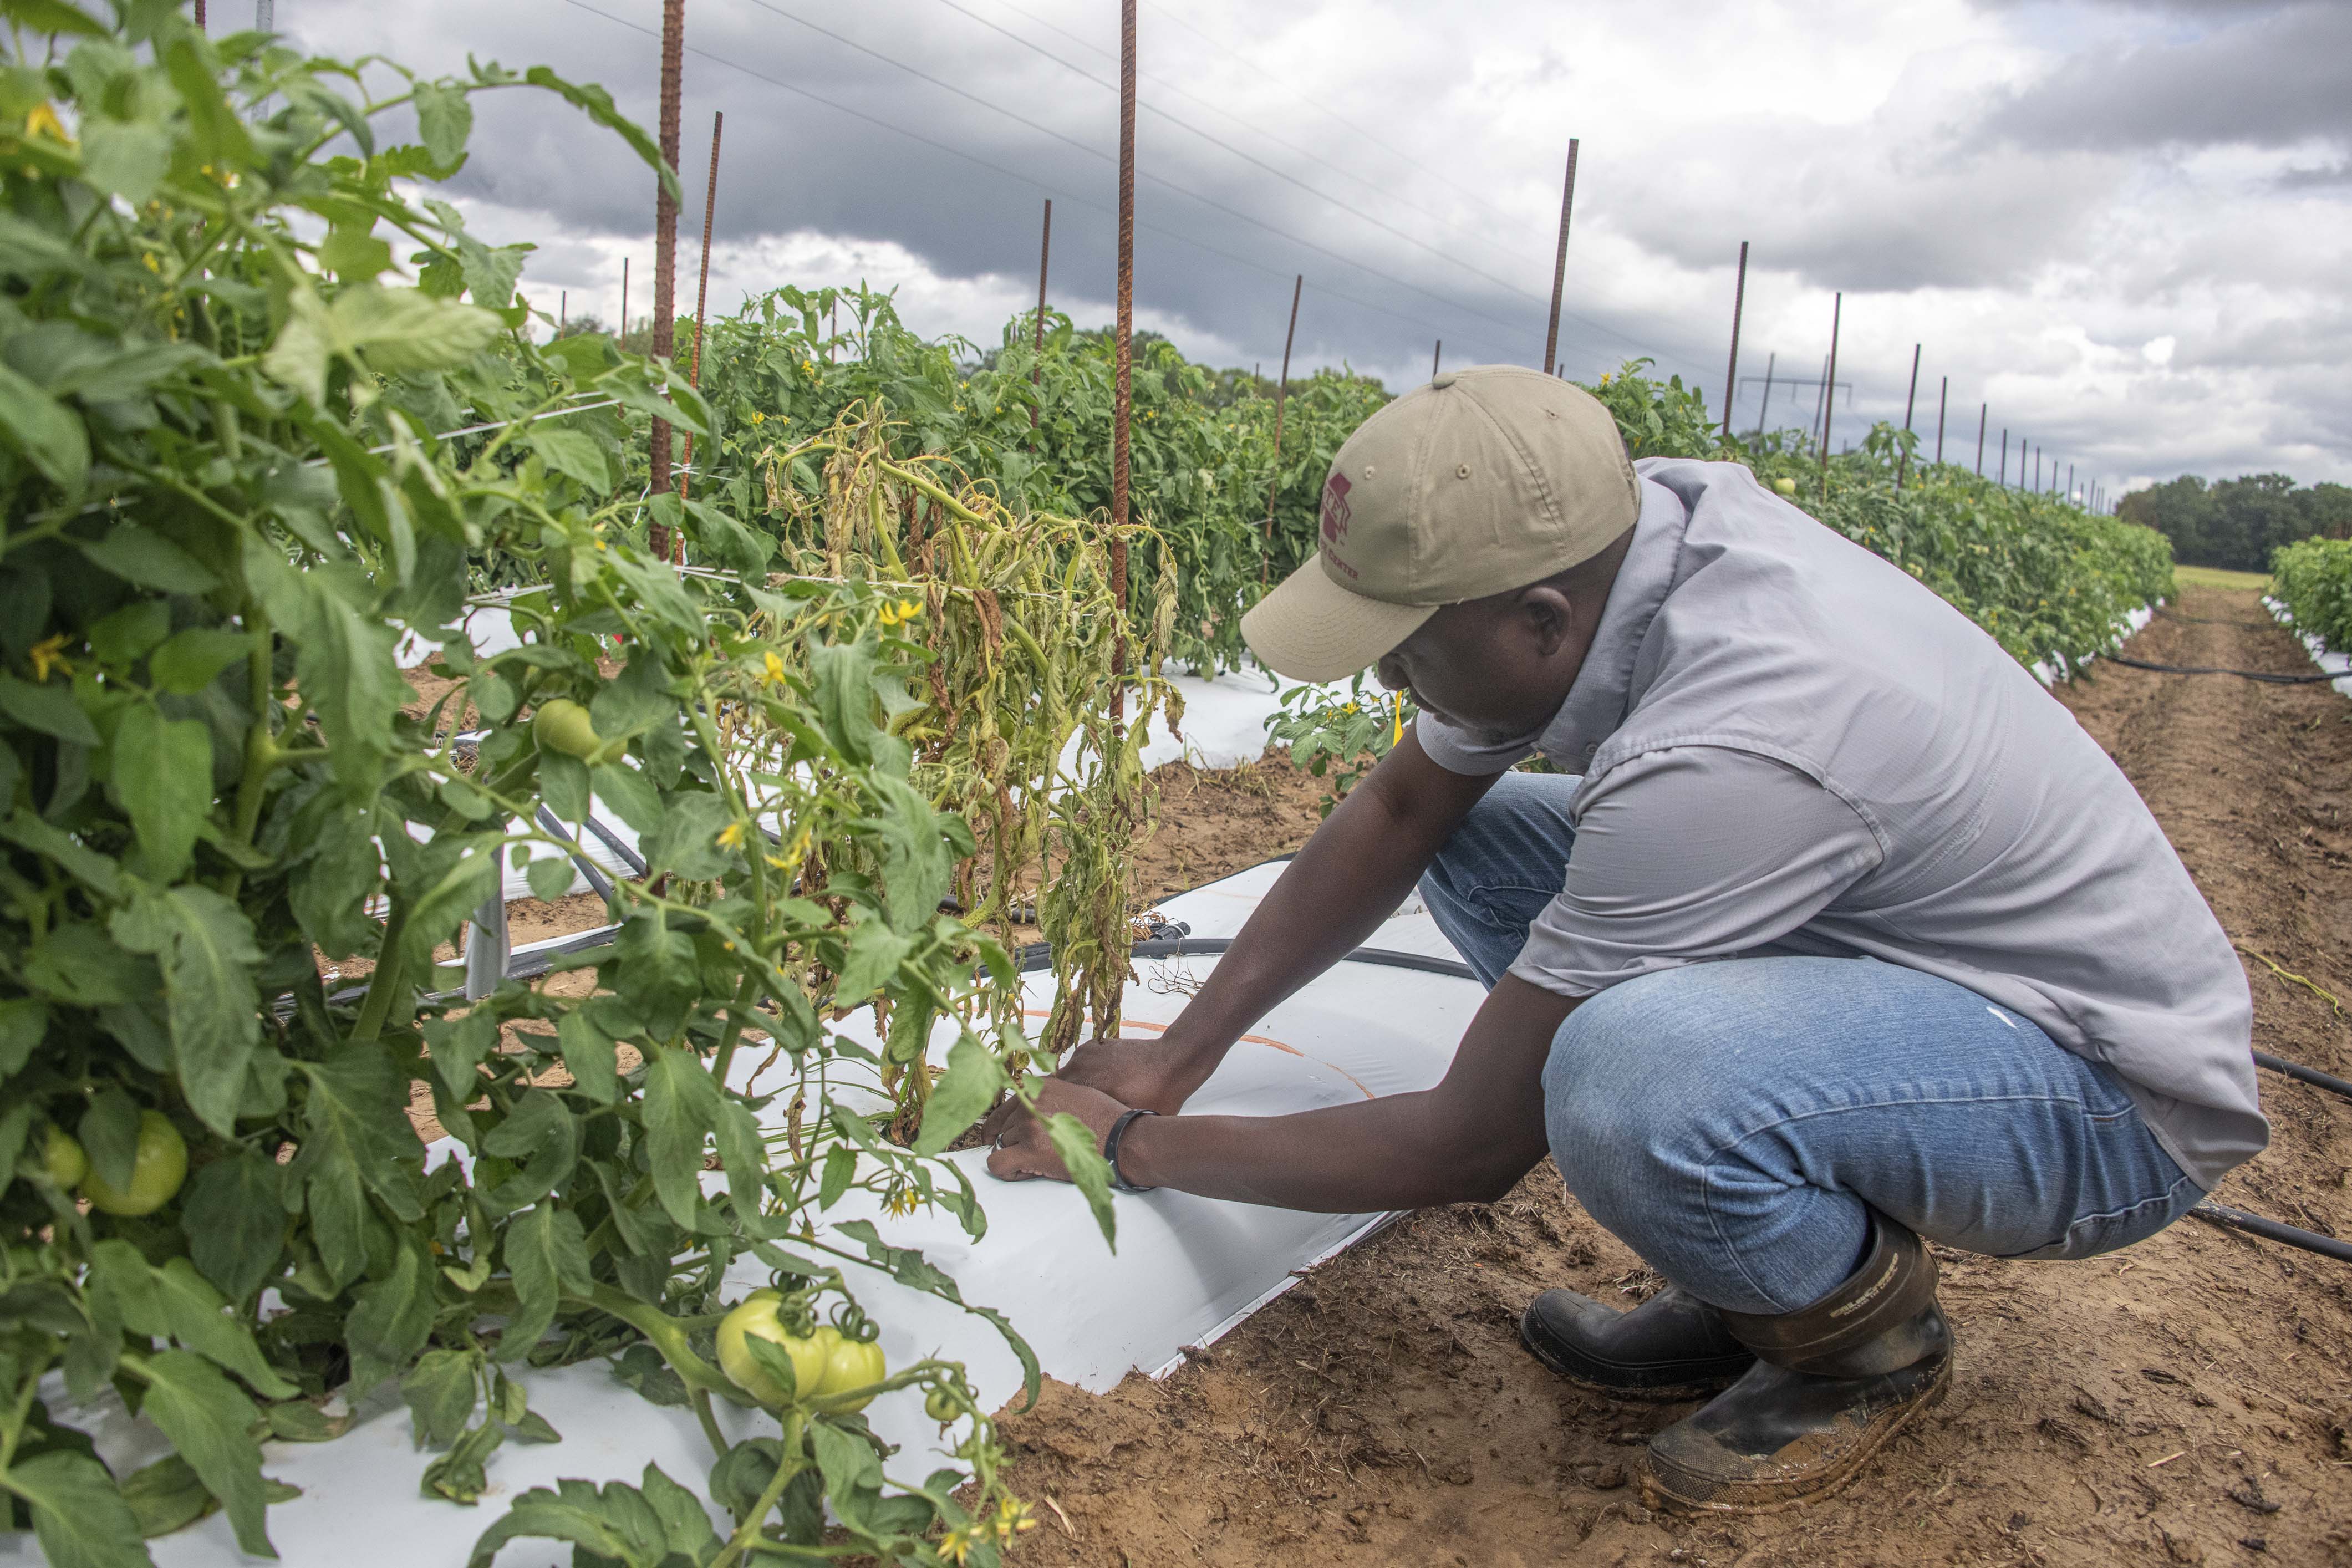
1153, 1075
1023, 1151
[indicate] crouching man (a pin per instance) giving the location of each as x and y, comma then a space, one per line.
1833, 932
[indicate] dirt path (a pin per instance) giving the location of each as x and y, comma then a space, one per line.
2188, 1401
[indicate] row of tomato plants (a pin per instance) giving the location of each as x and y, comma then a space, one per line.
231, 321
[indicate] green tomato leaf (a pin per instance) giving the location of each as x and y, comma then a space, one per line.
206, 946
164, 774
210, 1424
51, 710
78, 1517
546, 1255
191, 660
588, 1057
551, 877
964, 1093
166, 1496
1075, 1142
198, 1316
875, 953
52, 17
445, 118
235, 1217
44, 432
574, 454
440, 1392
680, 1106
391, 1319
146, 558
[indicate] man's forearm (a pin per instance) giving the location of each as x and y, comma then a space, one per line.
1468, 1140
1349, 877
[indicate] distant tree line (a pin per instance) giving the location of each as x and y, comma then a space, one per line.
2236, 523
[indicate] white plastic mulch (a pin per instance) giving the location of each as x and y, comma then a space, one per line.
1187, 1269
2321, 655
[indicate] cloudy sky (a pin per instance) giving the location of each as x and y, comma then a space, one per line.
2121, 224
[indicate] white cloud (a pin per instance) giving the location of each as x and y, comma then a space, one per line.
2159, 351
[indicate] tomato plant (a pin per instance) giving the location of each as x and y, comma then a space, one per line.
231, 326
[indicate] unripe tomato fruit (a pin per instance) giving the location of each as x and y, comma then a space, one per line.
852, 1363
1785, 486
63, 1157
940, 1406
157, 1169
756, 1316
562, 725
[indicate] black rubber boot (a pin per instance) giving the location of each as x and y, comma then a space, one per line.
1833, 1382
1672, 1346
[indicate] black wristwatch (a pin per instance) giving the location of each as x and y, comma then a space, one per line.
1110, 1150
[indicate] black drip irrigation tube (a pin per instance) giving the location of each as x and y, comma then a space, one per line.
2231, 1218
2265, 677
2311, 1076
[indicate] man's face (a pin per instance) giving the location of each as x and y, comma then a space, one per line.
1499, 667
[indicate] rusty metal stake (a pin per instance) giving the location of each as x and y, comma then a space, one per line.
1037, 368
1943, 397
1436, 354
1829, 389
623, 338
703, 293
1771, 364
1983, 411
1281, 395
1123, 398
200, 16
1560, 262
1731, 377
665, 323
1910, 401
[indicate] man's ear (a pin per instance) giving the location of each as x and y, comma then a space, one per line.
1551, 616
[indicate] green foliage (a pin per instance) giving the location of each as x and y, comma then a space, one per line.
2313, 577
1202, 443
2238, 524
224, 507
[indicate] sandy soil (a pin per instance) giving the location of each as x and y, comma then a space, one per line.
2188, 1401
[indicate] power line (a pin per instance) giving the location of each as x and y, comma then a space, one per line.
1215, 108
1159, 180
1030, 181
921, 75
1322, 107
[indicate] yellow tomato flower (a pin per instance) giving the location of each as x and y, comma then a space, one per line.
758, 417
44, 121
957, 1544
1013, 1518
775, 669
46, 655
730, 835
902, 1203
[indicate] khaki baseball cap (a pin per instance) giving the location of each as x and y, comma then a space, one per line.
1485, 479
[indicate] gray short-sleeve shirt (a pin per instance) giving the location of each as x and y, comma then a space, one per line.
1789, 744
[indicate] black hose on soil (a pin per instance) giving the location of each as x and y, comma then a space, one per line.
2224, 1215
2265, 677
2311, 1076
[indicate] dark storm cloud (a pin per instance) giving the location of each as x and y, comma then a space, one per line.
959, 183
2274, 78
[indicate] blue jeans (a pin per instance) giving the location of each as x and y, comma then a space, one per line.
1730, 1120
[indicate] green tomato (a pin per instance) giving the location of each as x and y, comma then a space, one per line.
1785, 486
851, 1363
157, 1169
66, 1162
940, 1406
756, 1317
562, 725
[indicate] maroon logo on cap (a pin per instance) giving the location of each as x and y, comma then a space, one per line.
1335, 507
